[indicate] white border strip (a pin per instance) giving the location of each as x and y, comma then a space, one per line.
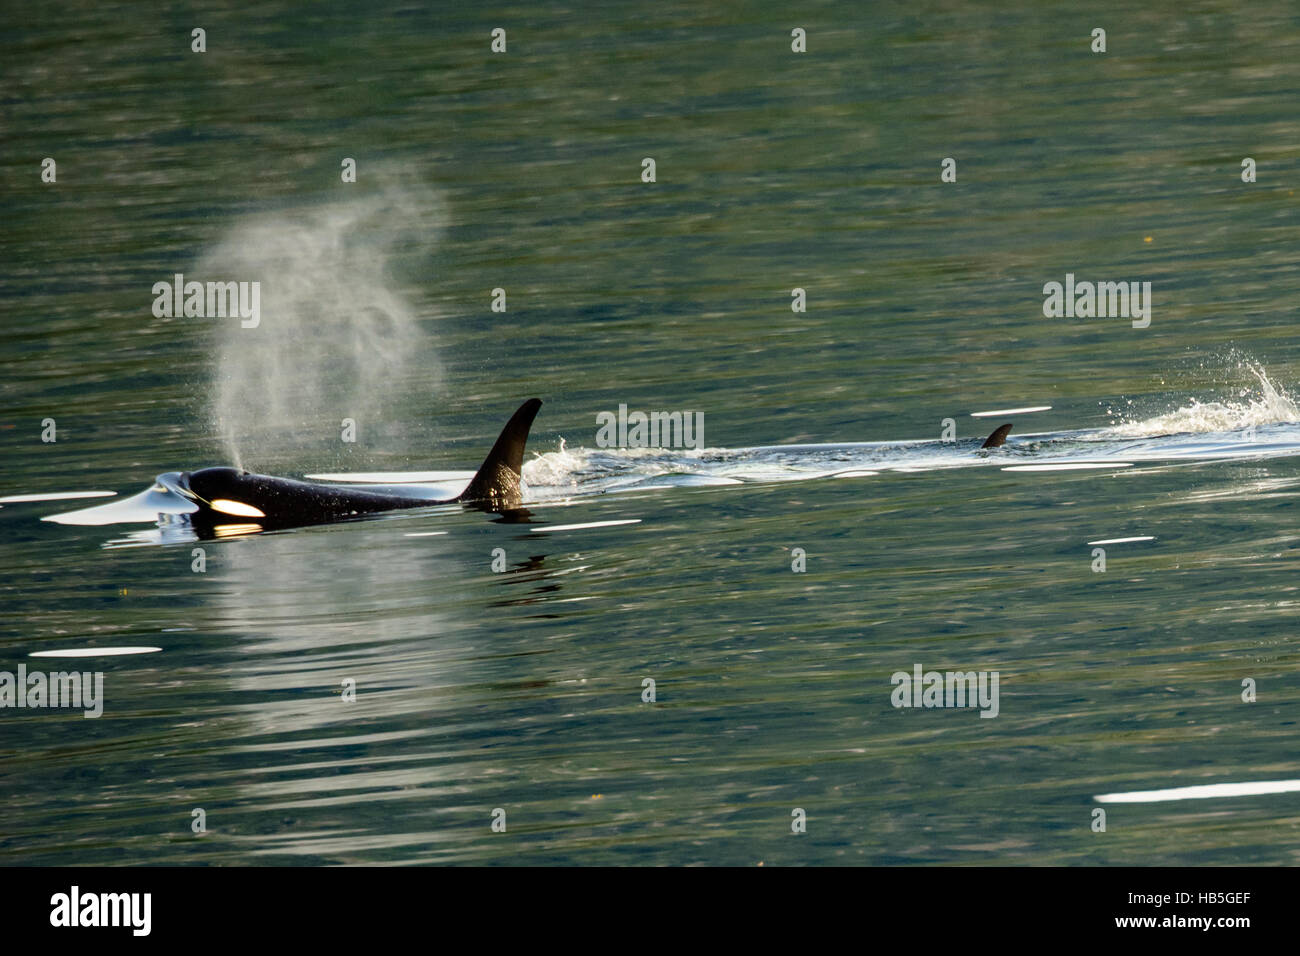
96, 652
1204, 792
1011, 411
593, 524
1075, 466
58, 496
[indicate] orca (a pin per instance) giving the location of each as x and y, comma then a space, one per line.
998, 438
261, 502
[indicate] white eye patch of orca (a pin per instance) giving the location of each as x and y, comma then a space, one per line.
228, 507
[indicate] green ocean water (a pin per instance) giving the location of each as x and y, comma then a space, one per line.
522, 690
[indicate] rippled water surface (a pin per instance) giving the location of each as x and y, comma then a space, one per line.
522, 688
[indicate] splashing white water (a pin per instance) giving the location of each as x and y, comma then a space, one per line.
585, 470
555, 469
1172, 437
1265, 404
337, 339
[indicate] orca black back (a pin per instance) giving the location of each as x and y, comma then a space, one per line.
264, 501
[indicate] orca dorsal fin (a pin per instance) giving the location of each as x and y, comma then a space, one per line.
998, 438
497, 482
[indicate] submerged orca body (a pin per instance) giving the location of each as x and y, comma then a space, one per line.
225, 496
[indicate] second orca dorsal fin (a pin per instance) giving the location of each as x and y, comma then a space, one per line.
497, 482
998, 438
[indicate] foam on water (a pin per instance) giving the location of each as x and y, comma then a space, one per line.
1260, 406
1264, 424
1265, 404
556, 469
